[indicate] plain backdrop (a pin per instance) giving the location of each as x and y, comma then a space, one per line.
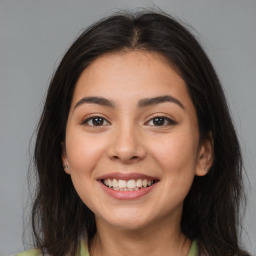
34, 35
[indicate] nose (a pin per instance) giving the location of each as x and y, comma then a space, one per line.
127, 146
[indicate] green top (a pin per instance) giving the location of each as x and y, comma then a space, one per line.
84, 251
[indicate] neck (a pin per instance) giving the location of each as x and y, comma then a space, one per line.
154, 240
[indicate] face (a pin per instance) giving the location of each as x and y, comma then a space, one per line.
132, 140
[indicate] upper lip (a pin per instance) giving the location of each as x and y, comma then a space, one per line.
126, 176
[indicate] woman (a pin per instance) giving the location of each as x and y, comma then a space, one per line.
136, 152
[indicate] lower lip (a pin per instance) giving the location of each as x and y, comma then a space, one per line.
127, 195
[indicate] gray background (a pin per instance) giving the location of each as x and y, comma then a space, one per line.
34, 35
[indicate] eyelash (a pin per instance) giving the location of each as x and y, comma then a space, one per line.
92, 118
167, 121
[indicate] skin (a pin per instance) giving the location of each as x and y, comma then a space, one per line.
129, 140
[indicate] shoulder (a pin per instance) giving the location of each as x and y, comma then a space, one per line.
33, 252
36, 252
194, 249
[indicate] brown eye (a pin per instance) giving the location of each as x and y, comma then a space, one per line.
95, 121
161, 121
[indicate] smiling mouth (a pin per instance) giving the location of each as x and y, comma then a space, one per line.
128, 185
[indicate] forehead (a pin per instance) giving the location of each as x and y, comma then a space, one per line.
130, 76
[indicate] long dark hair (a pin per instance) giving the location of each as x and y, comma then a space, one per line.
211, 209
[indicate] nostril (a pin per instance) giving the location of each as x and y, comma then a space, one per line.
128, 159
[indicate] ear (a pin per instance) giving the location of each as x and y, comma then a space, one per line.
205, 156
64, 157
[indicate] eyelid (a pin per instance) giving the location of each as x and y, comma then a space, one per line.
170, 120
86, 119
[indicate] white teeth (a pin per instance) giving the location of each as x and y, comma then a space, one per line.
144, 183
139, 183
114, 183
129, 185
122, 184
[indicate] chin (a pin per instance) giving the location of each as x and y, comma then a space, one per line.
128, 221
130, 224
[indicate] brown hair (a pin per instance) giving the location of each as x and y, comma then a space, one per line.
211, 209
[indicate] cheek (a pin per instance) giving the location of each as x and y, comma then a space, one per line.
177, 157
83, 152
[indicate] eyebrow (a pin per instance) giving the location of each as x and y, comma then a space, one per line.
158, 100
95, 100
142, 103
